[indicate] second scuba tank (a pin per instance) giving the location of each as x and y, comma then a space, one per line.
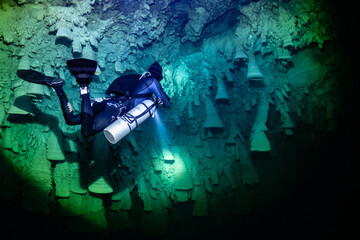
130, 120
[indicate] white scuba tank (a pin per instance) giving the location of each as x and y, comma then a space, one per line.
129, 121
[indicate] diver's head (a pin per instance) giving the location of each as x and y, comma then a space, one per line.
156, 71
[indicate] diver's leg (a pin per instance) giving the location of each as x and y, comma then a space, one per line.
66, 107
91, 123
86, 116
83, 70
105, 118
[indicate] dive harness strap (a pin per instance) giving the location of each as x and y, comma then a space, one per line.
126, 97
129, 118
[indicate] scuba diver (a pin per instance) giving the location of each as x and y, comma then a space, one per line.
125, 93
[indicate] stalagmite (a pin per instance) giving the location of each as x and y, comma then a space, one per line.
121, 199
288, 126
76, 47
144, 194
259, 141
35, 89
212, 119
22, 103
239, 55
227, 74
221, 94
153, 181
77, 181
283, 54
182, 178
71, 145
228, 173
64, 34
62, 180
55, 147
287, 42
253, 73
7, 141
248, 171
234, 132
167, 155
93, 42
37, 183
24, 63
213, 174
156, 165
98, 180
181, 195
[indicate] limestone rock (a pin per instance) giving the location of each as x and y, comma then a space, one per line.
212, 119
197, 20
99, 183
62, 179
22, 103
7, 140
221, 94
24, 63
182, 178
38, 183
55, 148
64, 33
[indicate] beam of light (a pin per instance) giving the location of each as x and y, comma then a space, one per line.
164, 140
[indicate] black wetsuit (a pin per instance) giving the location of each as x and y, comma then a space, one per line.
96, 116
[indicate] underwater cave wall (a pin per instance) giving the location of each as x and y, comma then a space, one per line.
241, 75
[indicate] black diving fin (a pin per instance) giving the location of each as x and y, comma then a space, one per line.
82, 66
37, 77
